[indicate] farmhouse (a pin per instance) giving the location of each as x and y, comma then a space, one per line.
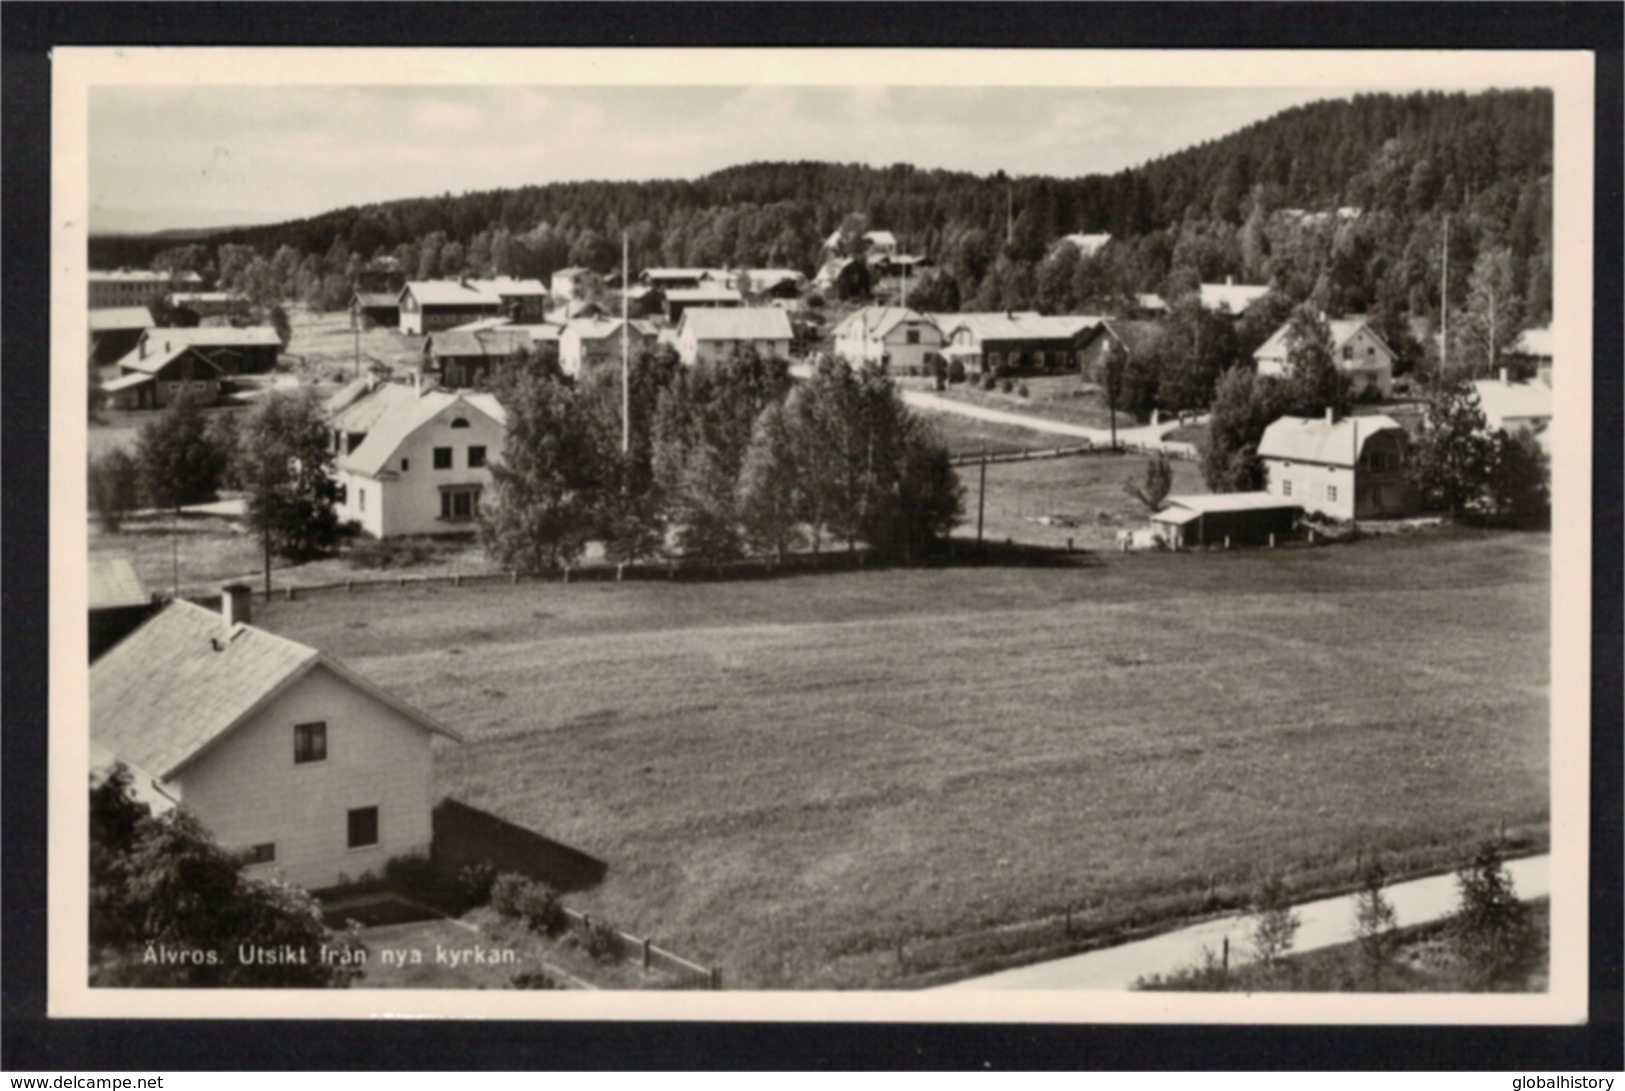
235, 350
1232, 297
370, 309
430, 305
1357, 350
588, 342
114, 331
466, 357
895, 336
522, 300
118, 601
1015, 341
1123, 338
210, 304
137, 287
679, 300
282, 752
1511, 406
167, 363
1237, 518
413, 459
574, 283
669, 279
709, 335
1344, 469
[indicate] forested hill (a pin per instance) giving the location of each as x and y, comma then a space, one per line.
1230, 207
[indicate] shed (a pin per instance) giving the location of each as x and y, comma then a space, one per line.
1242, 518
119, 603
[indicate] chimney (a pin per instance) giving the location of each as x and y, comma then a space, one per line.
1331, 415
234, 605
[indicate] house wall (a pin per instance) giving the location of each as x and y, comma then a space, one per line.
895, 349
1328, 490
1364, 358
249, 791
1383, 487
408, 502
691, 351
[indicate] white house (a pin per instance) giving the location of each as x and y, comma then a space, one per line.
412, 459
573, 283
1088, 245
895, 336
706, 334
1344, 469
1511, 406
882, 244
588, 342
431, 305
1356, 349
1231, 296
283, 753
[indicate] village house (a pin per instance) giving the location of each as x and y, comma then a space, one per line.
1232, 298
572, 309
210, 304
679, 300
522, 300
1354, 468
1531, 353
431, 305
881, 244
1512, 406
284, 754
381, 274
903, 339
412, 458
1356, 349
574, 283
467, 356
167, 363
119, 602
114, 331
1015, 341
669, 279
236, 350
777, 283
1124, 338
709, 335
590, 342
369, 310
1088, 245
137, 287
1225, 519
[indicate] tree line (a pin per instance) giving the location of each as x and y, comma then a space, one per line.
1258, 205
724, 459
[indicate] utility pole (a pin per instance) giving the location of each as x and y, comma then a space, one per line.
981, 500
1444, 306
626, 359
355, 325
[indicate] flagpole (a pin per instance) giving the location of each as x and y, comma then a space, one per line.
626, 361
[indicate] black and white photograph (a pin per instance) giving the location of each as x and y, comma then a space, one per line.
833, 534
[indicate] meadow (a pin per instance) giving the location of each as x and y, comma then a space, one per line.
881, 778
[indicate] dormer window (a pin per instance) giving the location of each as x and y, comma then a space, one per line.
459, 422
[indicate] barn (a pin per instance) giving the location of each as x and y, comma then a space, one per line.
1236, 518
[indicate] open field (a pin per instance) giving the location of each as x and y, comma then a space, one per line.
326, 345
789, 777
1087, 489
968, 435
1056, 397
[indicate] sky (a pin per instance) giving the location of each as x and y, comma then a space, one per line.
163, 157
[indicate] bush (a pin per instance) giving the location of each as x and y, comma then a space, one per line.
1492, 931
1006, 386
506, 890
1022, 390
474, 883
989, 382
412, 872
532, 979
956, 371
600, 941
390, 553
539, 906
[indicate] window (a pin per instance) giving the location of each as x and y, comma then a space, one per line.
260, 854
343, 495
1331, 494
1286, 488
363, 827
459, 503
361, 499
442, 458
309, 742
406, 464
913, 336
459, 422
1348, 352
476, 457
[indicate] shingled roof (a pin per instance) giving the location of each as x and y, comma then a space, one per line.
113, 582
737, 324
401, 415
179, 684
1315, 439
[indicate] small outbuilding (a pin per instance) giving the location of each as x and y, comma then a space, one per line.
1236, 518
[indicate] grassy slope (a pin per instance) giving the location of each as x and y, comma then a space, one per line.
1088, 488
784, 773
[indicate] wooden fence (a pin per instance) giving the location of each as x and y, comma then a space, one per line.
1172, 450
644, 952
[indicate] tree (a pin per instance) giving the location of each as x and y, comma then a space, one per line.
1316, 382
1374, 921
284, 462
1492, 930
548, 486
772, 498
1275, 923
180, 465
1244, 404
1519, 483
1159, 481
161, 885
1450, 463
115, 487
1494, 314
278, 319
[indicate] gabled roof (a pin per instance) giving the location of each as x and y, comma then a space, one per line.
703, 295
1237, 297
1342, 331
1137, 335
106, 319
1087, 244
126, 382
175, 687
877, 322
736, 324
376, 299
404, 415
156, 359
113, 582
501, 341
1536, 342
1314, 439
763, 279
447, 293
1020, 325
508, 286
876, 238
595, 329
1217, 502
1504, 401
571, 271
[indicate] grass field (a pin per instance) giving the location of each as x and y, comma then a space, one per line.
789, 777
1087, 489
326, 345
967, 435
1056, 397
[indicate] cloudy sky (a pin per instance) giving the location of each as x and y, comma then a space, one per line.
188, 156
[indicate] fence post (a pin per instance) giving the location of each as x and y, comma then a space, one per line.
402, 580
646, 944
290, 594
513, 577
457, 579
1069, 918
716, 978
349, 587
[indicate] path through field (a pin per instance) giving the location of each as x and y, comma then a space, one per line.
1324, 923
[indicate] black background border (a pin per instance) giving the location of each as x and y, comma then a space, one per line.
29, 1042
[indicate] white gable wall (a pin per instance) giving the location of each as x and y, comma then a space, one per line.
408, 501
249, 791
